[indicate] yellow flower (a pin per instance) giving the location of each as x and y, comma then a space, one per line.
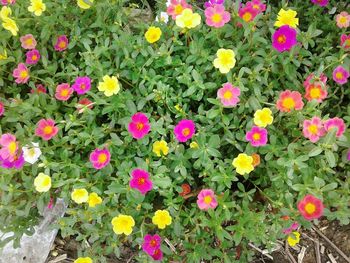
109, 85
123, 224
188, 19
42, 182
85, 4
10, 25
80, 195
287, 17
37, 7
153, 34
225, 60
3, 55
294, 238
5, 12
162, 219
83, 260
194, 145
243, 164
160, 147
263, 117
94, 200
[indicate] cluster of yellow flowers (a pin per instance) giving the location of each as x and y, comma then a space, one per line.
81, 195
7, 22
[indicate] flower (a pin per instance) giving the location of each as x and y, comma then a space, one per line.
315, 91
284, 38
139, 126
151, 243
289, 100
28, 41
10, 25
162, 219
313, 129
340, 75
80, 195
312, 79
21, 73
184, 130
345, 41
348, 155
257, 136
158, 255
263, 117
335, 123
17, 162
243, 164
206, 199
94, 200
257, 4
320, 2
63, 92
37, 7
310, 207
61, 43
109, 85
9, 147
211, 3
256, 159
225, 60
176, 7
294, 238
33, 57
290, 229
86, 259
39, 89
247, 13
6, 2
46, 129
31, 154
186, 189
343, 19
229, 95
160, 148
82, 85
42, 183
153, 34
83, 104
5, 13
100, 158
162, 17
194, 145
216, 16
2, 109
140, 180
123, 224
188, 19
85, 4
287, 17
3, 55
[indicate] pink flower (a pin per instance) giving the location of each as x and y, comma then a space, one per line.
284, 38
345, 41
211, 3
312, 79
248, 13
315, 91
16, 163
320, 2
2, 109
229, 95
340, 75
63, 92
216, 16
289, 230
257, 4
8, 2
39, 89
28, 41
50, 204
83, 103
158, 255
139, 126
343, 20
21, 73
313, 129
257, 136
206, 199
33, 57
61, 43
176, 7
335, 123
289, 100
9, 147
348, 155
100, 158
310, 207
46, 129
140, 181
184, 130
151, 244
82, 85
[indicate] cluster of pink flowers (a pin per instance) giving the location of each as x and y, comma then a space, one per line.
10, 154
176, 7
151, 245
8, 2
251, 10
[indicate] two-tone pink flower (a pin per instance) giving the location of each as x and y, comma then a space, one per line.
257, 136
100, 158
46, 129
9, 147
345, 41
335, 123
33, 57
21, 73
229, 95
216, 16
206, 199
28, 41
343, 19
340, 75
289, 100
61, 43
311, 207
139, 126
176, 7
313, 129
140, 180
63, 92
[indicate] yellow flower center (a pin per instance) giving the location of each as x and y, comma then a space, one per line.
342, 20
265, 117
48, 129
62, 44
216, 18
247, 16
31, 152
153, 243
64, 92
178, 9
313, 129
207, 199
29, 41
38, 6
281, 39
102, 158
186, 132
140, 181
46, 182
256, 136
256, 7
347, 42
339, 75
227, 95
34, 57
23, 74
310, 208
288, 103
315, 93
139, 126
12, 147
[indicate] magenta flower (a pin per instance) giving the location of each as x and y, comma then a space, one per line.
63, 92
248, 13
348, 156
46, 129
28, 41
140, 180
229, 95
33, 57
184, 130
257, 4
139, 126
206, 199
9, 147
82, 85
284, 38
100, 158
340, 75
216, 16
320, 2
158, 255
345, 41
211, 3
61, 43
313, 129
335, 123
21, 73
16, 163
2, 109
151, 244
257, 136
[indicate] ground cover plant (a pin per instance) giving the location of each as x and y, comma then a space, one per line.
209, 125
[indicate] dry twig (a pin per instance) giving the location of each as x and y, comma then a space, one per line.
259, 250
317, 251
301, 255
290, 256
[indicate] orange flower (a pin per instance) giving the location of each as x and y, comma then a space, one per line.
256, 159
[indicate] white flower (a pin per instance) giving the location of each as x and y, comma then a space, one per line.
32, 154
163, 17
168, 2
